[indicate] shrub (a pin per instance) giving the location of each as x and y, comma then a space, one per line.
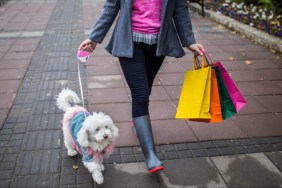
277, 5
256, 13
2, 2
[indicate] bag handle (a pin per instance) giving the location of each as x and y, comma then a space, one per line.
196, 61
208, 57
206, 60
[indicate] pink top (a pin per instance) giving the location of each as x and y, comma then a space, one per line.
146, 16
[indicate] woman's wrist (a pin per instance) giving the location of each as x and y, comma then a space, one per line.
196, 48
92, 43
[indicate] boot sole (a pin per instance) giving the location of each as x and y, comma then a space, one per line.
156, 169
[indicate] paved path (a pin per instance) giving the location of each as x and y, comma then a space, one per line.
38, 40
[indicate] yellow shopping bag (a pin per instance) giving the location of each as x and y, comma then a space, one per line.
194, 102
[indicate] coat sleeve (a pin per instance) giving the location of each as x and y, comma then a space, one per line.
105, 20
182, 21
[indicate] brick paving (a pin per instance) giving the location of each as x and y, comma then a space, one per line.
31, 134
37, 41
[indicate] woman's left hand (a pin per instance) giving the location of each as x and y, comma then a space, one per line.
198, 49
87, 45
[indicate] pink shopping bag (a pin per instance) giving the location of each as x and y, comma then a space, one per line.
235, 94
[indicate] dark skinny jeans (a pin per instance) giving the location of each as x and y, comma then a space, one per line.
140, 72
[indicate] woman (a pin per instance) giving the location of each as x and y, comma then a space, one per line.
146, 31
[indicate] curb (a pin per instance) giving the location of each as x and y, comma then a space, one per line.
262, 38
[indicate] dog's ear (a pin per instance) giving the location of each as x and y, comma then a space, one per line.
82, 137
115, 131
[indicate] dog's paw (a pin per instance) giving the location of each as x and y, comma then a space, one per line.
98, 178
72, 153
101, 168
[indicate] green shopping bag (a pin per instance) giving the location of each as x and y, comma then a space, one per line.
227, 106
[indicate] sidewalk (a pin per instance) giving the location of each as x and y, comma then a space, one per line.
38, 43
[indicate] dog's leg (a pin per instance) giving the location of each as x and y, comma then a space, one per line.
94, 168
101, 166
71, 150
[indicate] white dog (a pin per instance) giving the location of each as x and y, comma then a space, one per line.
90, 135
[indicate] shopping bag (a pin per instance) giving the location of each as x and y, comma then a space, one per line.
235, 94
227, 106
215, 106
194, 101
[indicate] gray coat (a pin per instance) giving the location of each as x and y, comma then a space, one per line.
175, 32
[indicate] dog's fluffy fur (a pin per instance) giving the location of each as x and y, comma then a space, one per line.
97, 133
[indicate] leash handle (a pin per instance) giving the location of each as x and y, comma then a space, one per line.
83, 56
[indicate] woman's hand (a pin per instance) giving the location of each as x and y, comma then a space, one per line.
198, 49
87, 45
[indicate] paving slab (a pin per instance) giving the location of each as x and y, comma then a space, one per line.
263, 64
162, 110
261, 55
18, 55
254, 106
128, 175
268, 124
159, 94
247, 47
4, 48
9, 34
199, 172
172, 131
27, 41
7, 100
107, 95
32, 34
9, 86
271, 74
7, 42
105, 81
249, 170
245, 75
171, 78
272, 102
14, 64
23, 48
3, 116
235, 65
171, 66
107, 69
217, 131
279, 83
276, 158
103, 60
12, 74
259, 88
127, 137
173, 91
123, 109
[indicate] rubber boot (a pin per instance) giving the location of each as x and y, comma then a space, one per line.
145, 136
